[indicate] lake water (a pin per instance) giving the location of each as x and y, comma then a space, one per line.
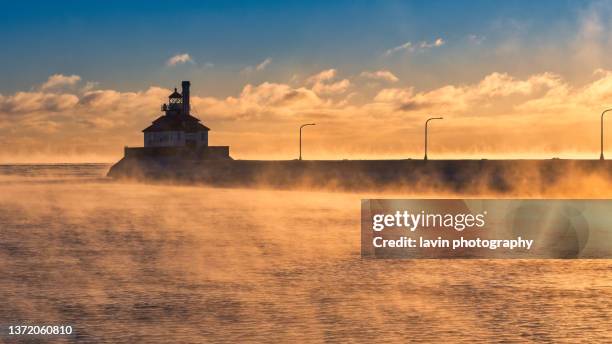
131, 263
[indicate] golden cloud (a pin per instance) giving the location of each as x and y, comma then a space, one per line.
500, 114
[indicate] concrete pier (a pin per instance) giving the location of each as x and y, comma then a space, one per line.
467, 176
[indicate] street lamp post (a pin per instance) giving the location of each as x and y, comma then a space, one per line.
426, 123
303, 125
601, 156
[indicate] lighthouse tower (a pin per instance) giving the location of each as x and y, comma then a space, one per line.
177, 127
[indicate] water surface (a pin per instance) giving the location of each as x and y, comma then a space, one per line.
128, 262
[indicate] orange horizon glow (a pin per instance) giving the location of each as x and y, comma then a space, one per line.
499, 117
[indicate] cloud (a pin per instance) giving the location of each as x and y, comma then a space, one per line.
410, 47
179, 59
460, 98
406, 46
476, 39
497, 113
437, 43
563, 98
264, 101
28, 102
383, 75
323, 83
90, 85
322, 76
108, 99
56, 81
261, 66
592, 41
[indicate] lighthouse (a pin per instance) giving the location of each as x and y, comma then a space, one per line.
177, 134
177, 127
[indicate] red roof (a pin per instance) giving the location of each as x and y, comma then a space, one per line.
184, 123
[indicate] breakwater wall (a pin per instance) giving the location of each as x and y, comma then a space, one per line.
465, 176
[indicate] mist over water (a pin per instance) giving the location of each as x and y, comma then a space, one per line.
130, 262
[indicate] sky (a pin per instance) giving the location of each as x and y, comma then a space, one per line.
79, 80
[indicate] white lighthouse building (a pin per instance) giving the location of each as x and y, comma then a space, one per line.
177, 127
